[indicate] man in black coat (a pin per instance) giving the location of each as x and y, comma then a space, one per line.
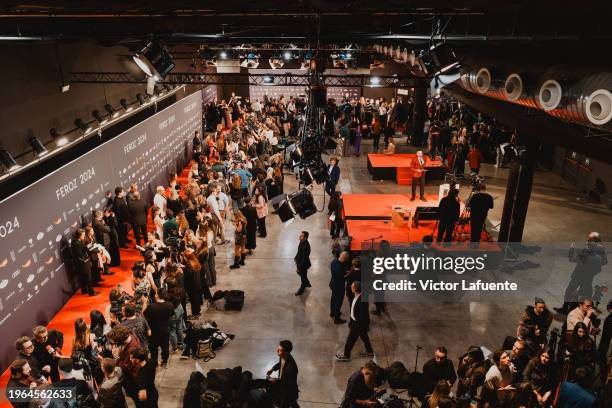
139, 210
359, 325
439, 368
284, 389
302, 261
449, 214
480, 204
122, 212
336, 284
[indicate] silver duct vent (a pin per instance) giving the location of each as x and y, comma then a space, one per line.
587, 101
482, 82
517, 91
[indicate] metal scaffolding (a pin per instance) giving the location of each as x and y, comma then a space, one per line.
287, 79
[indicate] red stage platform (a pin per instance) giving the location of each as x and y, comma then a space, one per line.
369, 215
397, 167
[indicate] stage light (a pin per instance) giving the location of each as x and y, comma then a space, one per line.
8, 161
276, 63
126, 106
268, 80
85, 127
223, 54
98, 117
348, 55
141, 99
303, 203
287, 55
111, 111
285, 211
375, 81
438, 59
154, 59
38, 148
58, 138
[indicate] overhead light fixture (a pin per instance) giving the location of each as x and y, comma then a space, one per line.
276, 63
250, 60
268, 80
38, 148
223, 54
154, 60
8, 161
287, 55
126, 106
141, 98
375, 81
98, 117
59, 139
111, 111
85, 127
65, 88
438, 59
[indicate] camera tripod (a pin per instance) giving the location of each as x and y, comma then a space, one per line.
410, 401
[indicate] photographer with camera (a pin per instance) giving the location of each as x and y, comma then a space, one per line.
589, 262
361, 387
480, 204
584, 313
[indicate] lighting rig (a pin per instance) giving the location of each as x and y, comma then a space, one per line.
306, 157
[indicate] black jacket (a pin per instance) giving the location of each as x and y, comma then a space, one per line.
362, 316
288, 377
121, 210
138, 210
102, 232
449, 210
302, 258
336, 283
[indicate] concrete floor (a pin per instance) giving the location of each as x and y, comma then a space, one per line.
272, 313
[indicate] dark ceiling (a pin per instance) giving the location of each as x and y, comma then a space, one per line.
337, 21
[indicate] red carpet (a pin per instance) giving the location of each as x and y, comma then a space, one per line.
80, 305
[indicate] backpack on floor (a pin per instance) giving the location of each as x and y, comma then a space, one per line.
234, 300
398, 376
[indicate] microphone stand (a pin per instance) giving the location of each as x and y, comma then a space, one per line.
372, 242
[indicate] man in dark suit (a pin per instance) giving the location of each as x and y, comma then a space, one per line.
417, 165
336, 284
359, 325
302, 262
334, 176
449, 214
480, 204
284, 389
103, 236
122, 212
139, 210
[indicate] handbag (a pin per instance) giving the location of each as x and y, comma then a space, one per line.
204, 350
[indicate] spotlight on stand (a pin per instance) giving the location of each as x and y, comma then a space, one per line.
38, 148
314, 172
111, 111
285, 211
303, 203
438, 59
98, 117
154, 60
85, 127
8, 161
59, 139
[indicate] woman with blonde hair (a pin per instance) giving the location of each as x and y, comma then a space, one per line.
183, 224
239, 239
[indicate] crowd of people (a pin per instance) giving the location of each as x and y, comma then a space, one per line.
237, 169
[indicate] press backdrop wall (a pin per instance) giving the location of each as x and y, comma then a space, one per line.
37, 222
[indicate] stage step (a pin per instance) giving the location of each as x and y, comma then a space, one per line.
404, 176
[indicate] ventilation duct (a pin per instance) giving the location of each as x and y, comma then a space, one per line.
482, 82
586, 101
517, 90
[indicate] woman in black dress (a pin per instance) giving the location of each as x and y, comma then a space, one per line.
250, 213
82, 262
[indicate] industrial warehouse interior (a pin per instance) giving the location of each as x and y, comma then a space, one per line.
306, 204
